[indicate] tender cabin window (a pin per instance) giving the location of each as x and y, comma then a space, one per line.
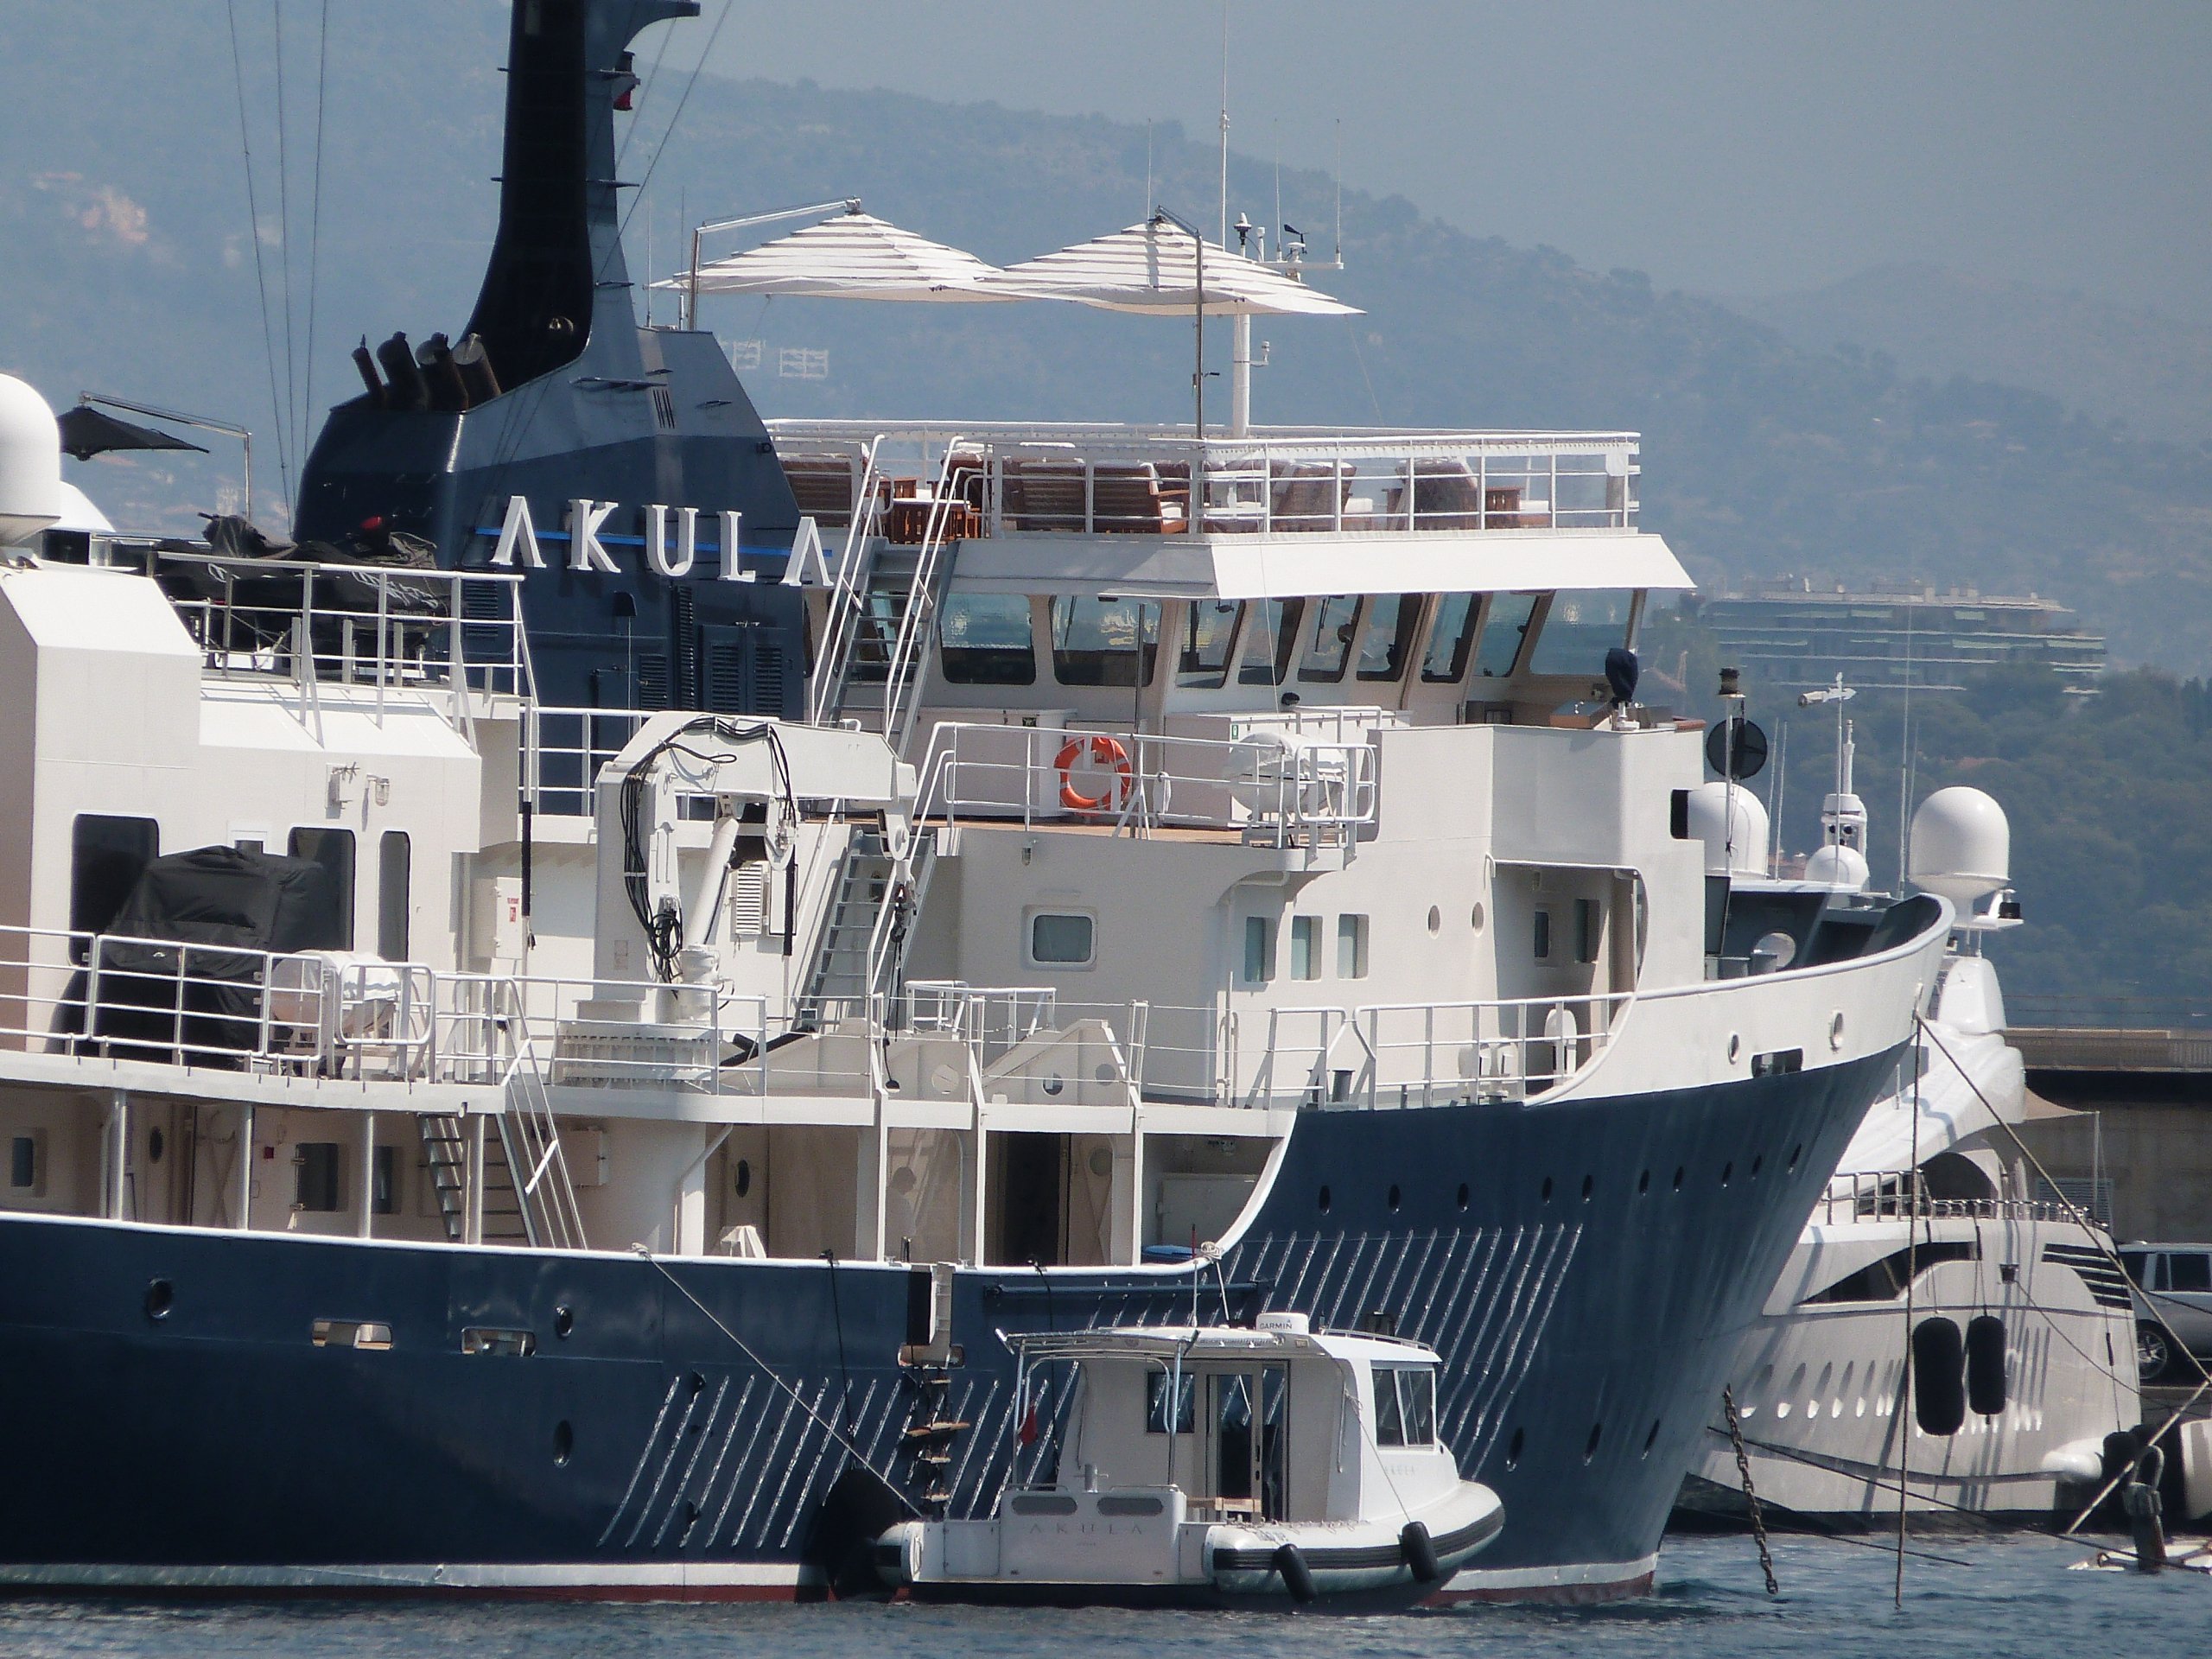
1580, 629
1391, 618
1096, 641
1209, 631
1259, 951
1270, 637
1504, 625
1062, 939
985, 639
1156, 1386
394, 882
316, 1164
1306, 947
1446, 659
1351, 947
106, 857
1405, 1405
1328, 646
333, 850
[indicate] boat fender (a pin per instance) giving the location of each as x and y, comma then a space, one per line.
2145, 1515
1420, 1551
1297, 1577
1986, 1365
1939, 1391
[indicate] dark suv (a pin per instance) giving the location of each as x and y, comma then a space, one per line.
2173, 1308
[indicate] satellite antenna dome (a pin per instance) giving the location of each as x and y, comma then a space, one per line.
31, 462
1839, 867
1961, 846
1729, 820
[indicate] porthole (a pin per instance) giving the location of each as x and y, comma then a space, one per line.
161, 1296
1513, 1448
744, 1177
1590, 1446
1735, 1047
564, 1443
1324, 1200
1644, 1184
1589, 1184
1547, 1194
1652, 1439
1435, 918
564, 1321
1678, 1178
1835, 1030
1463, 1195
1727, 1171
1393, 1197
1475, 918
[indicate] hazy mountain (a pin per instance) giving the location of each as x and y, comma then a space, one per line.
127, 266
2113, 362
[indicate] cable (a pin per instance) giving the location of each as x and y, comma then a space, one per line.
290, 412
253, 229
314, 219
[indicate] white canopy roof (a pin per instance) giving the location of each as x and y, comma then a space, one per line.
1154, 267
854, 256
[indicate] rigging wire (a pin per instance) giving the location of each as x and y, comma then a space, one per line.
289, 415
315, 221
253, 228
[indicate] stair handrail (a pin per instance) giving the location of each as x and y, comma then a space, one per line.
526, 1121
834, 666
920, 611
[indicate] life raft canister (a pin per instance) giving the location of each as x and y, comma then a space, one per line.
1104, 752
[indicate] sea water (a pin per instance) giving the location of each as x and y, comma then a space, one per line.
1984, 1598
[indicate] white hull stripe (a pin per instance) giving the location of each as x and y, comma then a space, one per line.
1492, 1580
367, 1579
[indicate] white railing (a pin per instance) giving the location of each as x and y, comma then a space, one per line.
1275, 790
1869, 1196
1425, 1053
1107, 481
565, 750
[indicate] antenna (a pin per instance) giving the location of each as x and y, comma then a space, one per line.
1340, 192
1224, 123
1147, 170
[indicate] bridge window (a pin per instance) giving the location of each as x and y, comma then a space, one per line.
1209, 631
984, 639
1580, 629
1270, 637
1448, 641
1096, 641
1329, 649
1391, 618
1505, 623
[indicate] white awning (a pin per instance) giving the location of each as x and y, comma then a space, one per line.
1154, 267
853, 256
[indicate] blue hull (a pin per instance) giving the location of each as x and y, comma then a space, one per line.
1587, 1301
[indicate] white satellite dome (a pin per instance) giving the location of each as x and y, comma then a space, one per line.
1961, 846
1840, 867
1735, 835
31, 462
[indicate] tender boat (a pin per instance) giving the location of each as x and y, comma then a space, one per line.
1296, 1468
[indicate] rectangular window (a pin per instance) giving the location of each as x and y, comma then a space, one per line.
26, 1165
1417, 1393
1156, 1385
1328, 649
1270, 638
1589, 925
394, 882
383, 1195
317, 1165
1389, 1410
1259, 951
1351, 947
1390, 621
349, 1333
1097, 641
1061, 940
1209, 633
1446, 659
106, 857
1542, 945
1580, 629
1306, 947
490, 1340
1504, 626
985, 639
331, 928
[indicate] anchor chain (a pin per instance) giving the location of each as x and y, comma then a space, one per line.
1751, 1497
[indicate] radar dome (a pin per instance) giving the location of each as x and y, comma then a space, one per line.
1734, 831
1834, 866
31, 462
1961, 846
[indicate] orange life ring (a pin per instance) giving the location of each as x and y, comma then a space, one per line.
1104, 752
